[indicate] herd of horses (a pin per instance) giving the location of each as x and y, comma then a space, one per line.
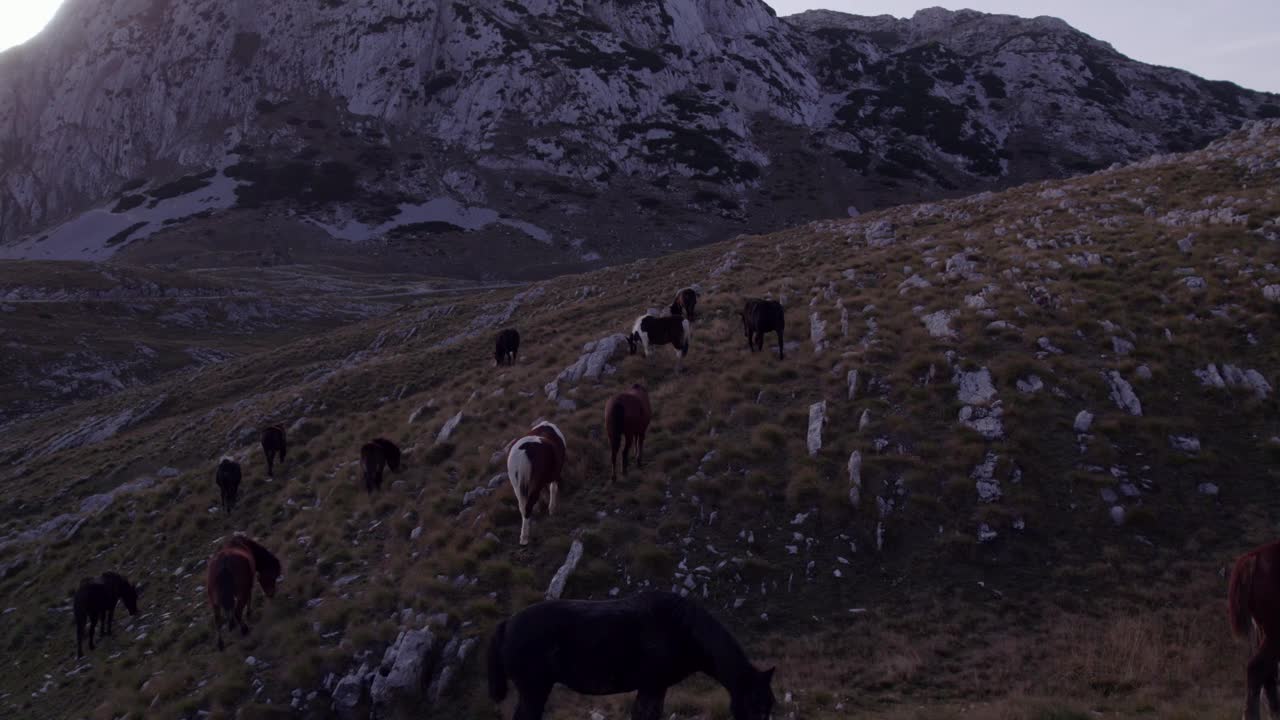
644, 643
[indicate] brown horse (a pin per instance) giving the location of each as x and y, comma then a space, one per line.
375, 455
534, 462
627, 414
1253, 597
230, 581
272, 444
94, 602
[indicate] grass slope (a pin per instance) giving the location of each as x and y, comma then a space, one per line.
1062, 613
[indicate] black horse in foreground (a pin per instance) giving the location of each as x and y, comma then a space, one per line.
647, 642
95, 601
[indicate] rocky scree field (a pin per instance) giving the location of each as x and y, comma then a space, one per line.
1015, 442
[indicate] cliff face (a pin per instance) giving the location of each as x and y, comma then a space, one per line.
551, 123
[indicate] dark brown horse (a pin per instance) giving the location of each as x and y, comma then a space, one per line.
273, 443
684, 304
1253, 598
230, 581
506, 347
376, 455
95, 601
760, 317
534, 462
627, 415
228, 479
643, 644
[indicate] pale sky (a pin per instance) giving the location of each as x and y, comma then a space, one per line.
1236, 40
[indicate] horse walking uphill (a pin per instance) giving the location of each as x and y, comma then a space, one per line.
627, 415
534, 462
760, 317
273, 443
684, 304
1253, 597
649, 330
95, 602
647, 642
228, 479
230, 581
506, 347
375, 455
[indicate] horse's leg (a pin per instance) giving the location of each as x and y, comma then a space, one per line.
217, 626
1269, 689
111, 618
525, 507
782, 354
626, 450
93, 627
79, 636
242, 611
640, 448
1261, 666
553, 491
531, 703
648, 704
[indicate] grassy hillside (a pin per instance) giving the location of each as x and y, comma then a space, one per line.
998, 563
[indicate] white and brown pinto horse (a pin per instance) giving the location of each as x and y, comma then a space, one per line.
651, 330
535, 462
627, 416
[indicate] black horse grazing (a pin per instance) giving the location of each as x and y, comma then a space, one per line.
228, 478
647, 642
272, 444
760, 317
650, 330
684, 304
377, 454
506, 347
95, 602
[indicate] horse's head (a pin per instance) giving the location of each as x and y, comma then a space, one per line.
268, 578
755, 700
129, 595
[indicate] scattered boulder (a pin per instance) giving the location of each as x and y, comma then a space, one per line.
1084, 421
853, 384
591, 365
984, 478
1207, 488
1122, 393
556, 588
1234, 377
817, 419
403, 666
1272, 293
855, 478
1033, 384
817, 332
447, 430
879, 234
938, 324
975, 387
1185, 443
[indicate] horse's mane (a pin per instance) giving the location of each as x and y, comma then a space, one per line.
728, 660
226, 458
262, 558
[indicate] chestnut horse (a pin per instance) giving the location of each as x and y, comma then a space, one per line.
627, 415
1253, 598
272, 444
230, 581
684, 304
534, 462
375, 455
94, 602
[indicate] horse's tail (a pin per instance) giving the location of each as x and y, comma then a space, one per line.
226, 591
1238, 591
497, 671
615, 423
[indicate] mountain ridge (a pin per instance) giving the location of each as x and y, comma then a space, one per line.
547, 127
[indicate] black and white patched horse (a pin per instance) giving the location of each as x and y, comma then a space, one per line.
228, 479
644, 643
650, 330
506, 347
760, 317
684, 304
